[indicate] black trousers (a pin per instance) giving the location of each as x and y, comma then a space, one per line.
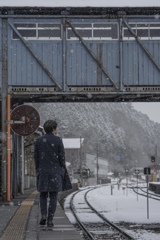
52, 204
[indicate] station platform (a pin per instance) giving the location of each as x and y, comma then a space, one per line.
19, 220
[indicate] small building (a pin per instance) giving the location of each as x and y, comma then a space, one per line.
73, 151
92, 162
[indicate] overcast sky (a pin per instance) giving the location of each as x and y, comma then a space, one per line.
151, 109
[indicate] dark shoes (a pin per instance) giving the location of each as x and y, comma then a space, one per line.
50, 223
43, 220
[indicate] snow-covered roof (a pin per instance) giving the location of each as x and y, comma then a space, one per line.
72, 143
155, 183
82, 3
110, 173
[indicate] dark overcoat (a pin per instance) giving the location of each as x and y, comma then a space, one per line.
50, 164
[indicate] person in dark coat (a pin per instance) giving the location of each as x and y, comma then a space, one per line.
52, 175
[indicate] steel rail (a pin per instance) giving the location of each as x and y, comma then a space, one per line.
145, 195
151, 194
106, 220
81, 225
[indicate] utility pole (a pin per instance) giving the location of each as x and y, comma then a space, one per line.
97, 163
156, 162
127, 171
80, 155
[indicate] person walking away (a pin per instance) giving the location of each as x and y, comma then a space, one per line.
51, 171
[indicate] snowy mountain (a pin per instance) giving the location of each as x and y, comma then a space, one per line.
124, 136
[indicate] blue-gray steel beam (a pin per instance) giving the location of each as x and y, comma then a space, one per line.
64, 56
4, 102
99, 72
36, 57
142, 46
100, 65
120, 56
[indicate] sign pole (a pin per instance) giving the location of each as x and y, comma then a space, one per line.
137, 186
147, 171
147, 198
137, 172
126, 171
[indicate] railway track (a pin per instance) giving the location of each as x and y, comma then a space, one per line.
102, 228
144, 193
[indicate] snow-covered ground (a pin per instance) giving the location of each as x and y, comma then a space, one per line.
121, 205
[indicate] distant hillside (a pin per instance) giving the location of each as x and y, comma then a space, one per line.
124, 136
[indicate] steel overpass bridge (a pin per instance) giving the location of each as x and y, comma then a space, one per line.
76, 55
